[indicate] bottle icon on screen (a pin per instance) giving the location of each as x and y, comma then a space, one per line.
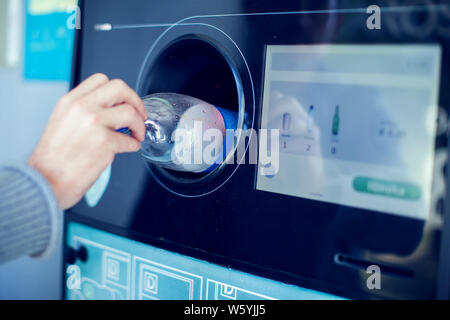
287, 121
310, 120
336, 120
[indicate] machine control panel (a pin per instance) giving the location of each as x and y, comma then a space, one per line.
117, 268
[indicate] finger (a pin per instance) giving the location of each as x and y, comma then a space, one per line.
117, 92
123, 143
87, 86
125, 116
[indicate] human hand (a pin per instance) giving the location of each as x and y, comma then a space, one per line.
80, 140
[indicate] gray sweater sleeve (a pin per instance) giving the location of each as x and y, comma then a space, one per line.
30, 220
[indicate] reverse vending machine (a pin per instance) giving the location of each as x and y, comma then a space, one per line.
348, 201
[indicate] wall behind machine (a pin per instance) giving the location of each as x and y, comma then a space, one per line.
26, 106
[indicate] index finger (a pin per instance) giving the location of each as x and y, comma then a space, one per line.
117, 92
87, 86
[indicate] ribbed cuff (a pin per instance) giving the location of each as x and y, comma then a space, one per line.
30, 220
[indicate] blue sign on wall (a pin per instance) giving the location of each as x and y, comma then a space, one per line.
48, 40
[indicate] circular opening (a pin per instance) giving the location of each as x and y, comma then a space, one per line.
195, 68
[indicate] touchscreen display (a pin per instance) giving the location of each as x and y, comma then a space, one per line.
357, 124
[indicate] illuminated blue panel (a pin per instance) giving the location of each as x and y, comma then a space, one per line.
48, 40
119, 268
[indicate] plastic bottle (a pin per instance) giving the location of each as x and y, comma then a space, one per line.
180, 130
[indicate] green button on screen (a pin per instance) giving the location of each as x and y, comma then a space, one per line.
392, 189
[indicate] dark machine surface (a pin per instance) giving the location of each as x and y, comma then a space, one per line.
216, 51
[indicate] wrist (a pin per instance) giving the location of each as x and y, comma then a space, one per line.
35, 163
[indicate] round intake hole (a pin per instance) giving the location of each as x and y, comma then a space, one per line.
195, 68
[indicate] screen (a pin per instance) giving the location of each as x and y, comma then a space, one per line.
357, 124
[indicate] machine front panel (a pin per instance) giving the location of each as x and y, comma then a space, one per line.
119, 268
362, 116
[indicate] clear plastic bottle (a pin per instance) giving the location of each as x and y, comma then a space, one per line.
180, 130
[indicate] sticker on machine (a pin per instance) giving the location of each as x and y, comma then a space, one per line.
95, 194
